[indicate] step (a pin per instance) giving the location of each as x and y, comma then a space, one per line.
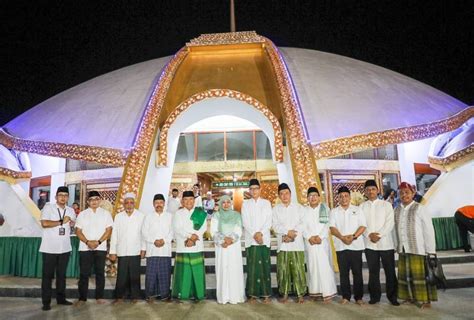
458, 275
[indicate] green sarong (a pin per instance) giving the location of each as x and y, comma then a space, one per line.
258, 272
189, 277
291, 275
411, 279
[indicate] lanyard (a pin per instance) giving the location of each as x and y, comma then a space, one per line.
59, 213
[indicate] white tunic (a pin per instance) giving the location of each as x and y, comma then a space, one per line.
347, 222
425, 236
126, 234
229, 266
183, 229
286, 218
256, 217
198, 201
173, 204
93, 225
51, 241
380, 219
155, 227
320, 275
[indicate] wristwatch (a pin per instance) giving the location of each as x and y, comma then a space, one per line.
100, 242
355, 237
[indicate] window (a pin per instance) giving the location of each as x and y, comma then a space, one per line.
389, 182
364, 154
80, 165
387, 152
262, 144
185, 152
239, 145
210, 146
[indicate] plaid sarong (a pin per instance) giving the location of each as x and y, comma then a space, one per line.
157, 278
189, 277
291, 275
411, 279
258, 272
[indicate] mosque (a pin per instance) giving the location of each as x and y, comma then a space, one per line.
232, 106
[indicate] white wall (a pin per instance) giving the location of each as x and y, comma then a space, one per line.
158, 179
410, 153
48, 166
452, 190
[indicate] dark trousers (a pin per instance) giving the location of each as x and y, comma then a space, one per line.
54, 264
158, 275
351, 260
465, 224
128, 277
87, 260
388, 263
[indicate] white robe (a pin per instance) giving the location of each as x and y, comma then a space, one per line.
320, 275
229, 266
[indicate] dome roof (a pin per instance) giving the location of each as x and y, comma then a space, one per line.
339, 97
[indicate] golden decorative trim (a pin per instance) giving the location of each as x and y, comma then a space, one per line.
4, 172
218, 93
302, 159
341, 146
107, 156
214, 39
453, 161
136, 166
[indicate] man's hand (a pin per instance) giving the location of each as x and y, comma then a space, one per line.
189, 243
159, 243
142, 254
292, 234
113, 257
194, 237
66, 219
315, 240
347, 239
93, 244
228, 241
258, 237
374, 237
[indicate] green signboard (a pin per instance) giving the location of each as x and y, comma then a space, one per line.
230, 184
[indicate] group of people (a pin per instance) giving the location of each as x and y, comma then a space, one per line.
304, 255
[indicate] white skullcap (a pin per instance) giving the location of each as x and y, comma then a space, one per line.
129, 195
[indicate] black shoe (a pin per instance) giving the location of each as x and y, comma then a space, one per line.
46, 307
65, 303
373, 301
395, 303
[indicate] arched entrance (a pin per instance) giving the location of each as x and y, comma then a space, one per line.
194, 109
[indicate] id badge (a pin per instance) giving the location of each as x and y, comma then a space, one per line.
62, 231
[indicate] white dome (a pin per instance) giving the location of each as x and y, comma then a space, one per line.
339, 97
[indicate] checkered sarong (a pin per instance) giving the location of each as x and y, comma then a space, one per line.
157, 278
411, 279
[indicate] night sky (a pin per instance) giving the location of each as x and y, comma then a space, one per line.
50, 46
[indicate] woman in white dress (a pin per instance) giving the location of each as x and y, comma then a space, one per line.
226, 231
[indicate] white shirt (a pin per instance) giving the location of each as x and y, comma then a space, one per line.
183, 229
425, 236
347, 222
93, 225
198, 201
287, 218
157, 226
380, 219
126, 234
312, 226
51, 241
256, 217
173, 204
